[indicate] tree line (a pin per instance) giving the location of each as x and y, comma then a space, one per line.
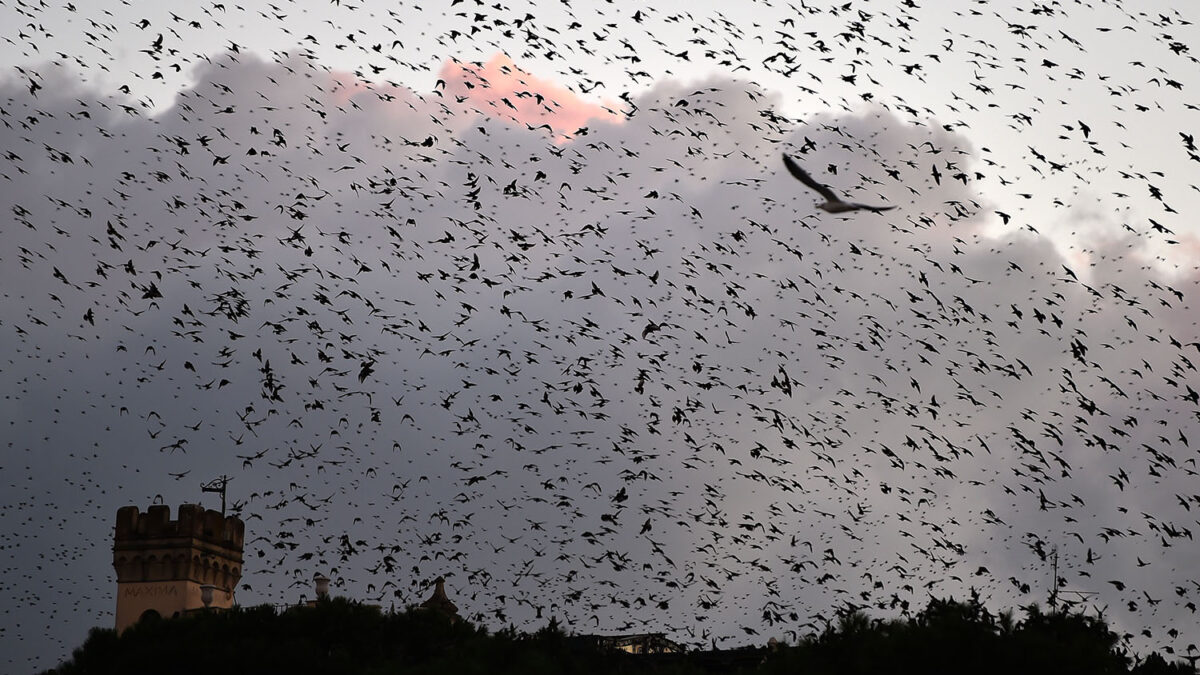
343, 637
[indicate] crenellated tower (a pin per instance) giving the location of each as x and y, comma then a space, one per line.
164, 567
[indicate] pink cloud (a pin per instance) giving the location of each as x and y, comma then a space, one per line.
501, 89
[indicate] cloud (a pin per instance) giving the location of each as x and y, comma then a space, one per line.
428, 341
501, 89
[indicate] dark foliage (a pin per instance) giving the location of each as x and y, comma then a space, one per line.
348, 638
949, 636
334, 637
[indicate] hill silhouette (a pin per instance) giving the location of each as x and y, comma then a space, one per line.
345, 637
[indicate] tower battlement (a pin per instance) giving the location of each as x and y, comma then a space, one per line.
167, 567
134, 527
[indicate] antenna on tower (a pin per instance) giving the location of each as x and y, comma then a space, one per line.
217, 485
1053, 593
1057, 588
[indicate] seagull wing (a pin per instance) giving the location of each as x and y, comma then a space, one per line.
876, 209
803, 176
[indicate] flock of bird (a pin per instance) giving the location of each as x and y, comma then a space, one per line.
585, 347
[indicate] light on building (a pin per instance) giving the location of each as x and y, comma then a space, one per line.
206, 595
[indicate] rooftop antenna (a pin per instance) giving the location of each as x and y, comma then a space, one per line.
217, 485
1054, 588
1057, 588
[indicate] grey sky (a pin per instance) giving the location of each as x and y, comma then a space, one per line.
628, 377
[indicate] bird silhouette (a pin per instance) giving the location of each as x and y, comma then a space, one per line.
629, 386
832, 203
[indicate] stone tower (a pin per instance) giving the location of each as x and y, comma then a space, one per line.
164, 565
439, 602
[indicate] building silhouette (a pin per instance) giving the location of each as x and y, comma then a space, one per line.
440, 603
636, 643
166, 567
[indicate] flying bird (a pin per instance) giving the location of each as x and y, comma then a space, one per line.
833, 203
607, 332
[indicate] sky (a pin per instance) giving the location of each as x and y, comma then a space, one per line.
521, 295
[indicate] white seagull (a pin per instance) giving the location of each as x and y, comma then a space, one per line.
833, 203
